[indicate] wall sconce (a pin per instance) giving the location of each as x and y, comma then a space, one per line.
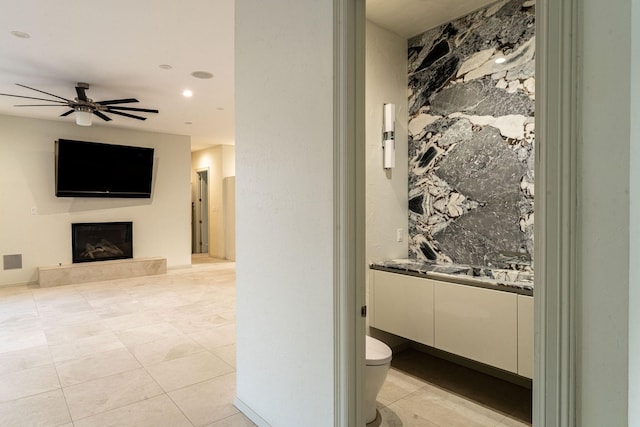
388, 136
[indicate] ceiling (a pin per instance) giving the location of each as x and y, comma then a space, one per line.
119, 46
408, 18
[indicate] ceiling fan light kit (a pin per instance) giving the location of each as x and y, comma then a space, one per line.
83, 116
85, 108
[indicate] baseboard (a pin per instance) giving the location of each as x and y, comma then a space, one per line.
15, 285
249, 413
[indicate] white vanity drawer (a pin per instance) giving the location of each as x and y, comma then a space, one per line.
403, 305
477, 323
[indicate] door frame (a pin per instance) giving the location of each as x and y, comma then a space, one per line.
349, 210
556, 245
557, 123
198, 215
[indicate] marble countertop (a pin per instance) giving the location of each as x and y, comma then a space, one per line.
515, 281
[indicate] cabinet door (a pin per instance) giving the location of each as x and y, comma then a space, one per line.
403, 305
525, 336
477, 323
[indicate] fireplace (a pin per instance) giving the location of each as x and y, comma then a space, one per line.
101, 241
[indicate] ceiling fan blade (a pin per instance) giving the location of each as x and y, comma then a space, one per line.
127, 115
39, 99
46, 93
102, 116
38, 105
80, 91
66, 113
142, 110
117, 101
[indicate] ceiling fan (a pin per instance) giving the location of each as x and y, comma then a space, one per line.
85, 107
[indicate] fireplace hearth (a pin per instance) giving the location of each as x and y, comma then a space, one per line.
101, 241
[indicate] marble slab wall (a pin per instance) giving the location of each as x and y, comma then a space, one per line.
471, 139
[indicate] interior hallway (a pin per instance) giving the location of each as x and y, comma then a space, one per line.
160, 351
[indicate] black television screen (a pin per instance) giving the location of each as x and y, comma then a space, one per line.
92, 169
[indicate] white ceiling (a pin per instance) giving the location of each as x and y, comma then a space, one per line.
408, 18
117, 46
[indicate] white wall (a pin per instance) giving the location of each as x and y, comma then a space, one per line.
161, 225
284, 152
229, 214
220, 162
386, 189
603, 211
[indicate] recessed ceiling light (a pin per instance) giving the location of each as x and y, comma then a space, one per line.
188, 123
500, 60
21, 34
220, 109
165, 66
187, 93
202, 75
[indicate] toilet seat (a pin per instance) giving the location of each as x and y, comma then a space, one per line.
377, 352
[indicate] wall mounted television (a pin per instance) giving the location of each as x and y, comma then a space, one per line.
93, 169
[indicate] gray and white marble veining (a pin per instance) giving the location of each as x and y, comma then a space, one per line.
471, 139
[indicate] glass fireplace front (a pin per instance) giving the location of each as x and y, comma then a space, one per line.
101, 241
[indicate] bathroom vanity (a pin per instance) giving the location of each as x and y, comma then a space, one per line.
478, 317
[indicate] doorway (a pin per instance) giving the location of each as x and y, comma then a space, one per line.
200, 213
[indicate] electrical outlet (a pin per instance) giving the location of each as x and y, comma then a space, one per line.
399, 235
34, 211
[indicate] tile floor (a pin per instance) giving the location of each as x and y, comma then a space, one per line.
160, 351
153, 351
423, 390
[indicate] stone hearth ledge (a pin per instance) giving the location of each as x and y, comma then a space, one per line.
86, 272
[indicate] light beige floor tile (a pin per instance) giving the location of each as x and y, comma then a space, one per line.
208, 401
394, 416
154, 412
144, 334
59, 318
66, 305
17, 304
10, 291
398, 385
132, 320
188, 370
85, 347
45, 409
445, 409
237, 420
217, 337
74, 331
97, 365
154, 352
24, 359
192, 324
103, 394
26, 382
226, 353
17, 322
20, 340
120, 308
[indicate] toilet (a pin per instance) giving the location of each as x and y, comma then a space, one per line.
378, 356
